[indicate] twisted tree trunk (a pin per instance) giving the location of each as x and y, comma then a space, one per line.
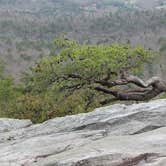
147, 91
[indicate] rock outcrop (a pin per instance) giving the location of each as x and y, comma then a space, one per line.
117, 135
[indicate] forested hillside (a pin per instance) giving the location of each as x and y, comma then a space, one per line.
27, 28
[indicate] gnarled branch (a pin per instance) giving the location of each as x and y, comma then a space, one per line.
144, 93
147, 89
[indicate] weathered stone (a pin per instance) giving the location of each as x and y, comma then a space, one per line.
117, 135
11, 124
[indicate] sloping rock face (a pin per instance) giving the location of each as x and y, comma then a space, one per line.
117, 135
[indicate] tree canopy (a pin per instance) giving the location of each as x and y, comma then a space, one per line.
78, 78
73, 78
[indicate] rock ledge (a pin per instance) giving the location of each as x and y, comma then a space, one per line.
116, 135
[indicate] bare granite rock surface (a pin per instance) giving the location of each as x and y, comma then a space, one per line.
117, 135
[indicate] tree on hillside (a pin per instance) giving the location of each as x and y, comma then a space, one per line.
88, 75
8, 93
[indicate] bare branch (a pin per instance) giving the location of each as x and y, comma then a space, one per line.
139, 82
134, 95
144, 93
149, 89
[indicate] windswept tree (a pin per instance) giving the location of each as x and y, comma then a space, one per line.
82, 76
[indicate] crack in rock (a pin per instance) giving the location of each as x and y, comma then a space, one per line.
145, 158
133, 161
146, 129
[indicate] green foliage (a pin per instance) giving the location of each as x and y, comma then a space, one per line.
8, 95
66, 81
64, 84
162, 42
31, 107
1, 69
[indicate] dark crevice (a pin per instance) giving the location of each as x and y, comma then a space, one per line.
93, 126
133, 161
146, 129
146, 158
